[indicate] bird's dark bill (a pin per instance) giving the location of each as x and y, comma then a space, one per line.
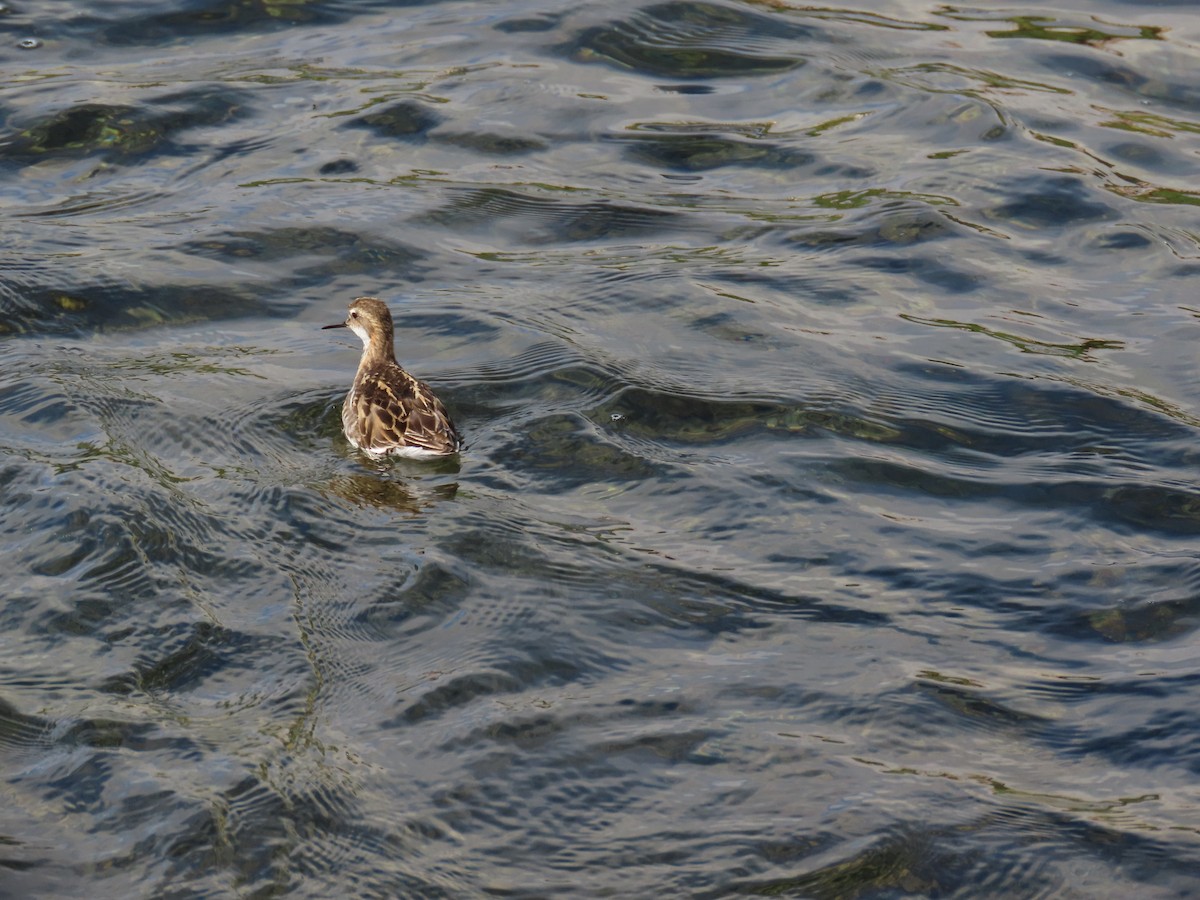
338, 325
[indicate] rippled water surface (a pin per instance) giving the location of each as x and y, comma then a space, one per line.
830, 522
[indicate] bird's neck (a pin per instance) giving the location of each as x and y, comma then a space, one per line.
379, 350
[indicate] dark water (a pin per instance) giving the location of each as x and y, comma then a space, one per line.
830, 525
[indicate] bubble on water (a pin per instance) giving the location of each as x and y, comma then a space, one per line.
29, 44
617, 417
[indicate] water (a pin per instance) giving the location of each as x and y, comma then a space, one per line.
829, 525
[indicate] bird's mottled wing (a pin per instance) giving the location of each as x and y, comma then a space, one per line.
429, 424
392, 411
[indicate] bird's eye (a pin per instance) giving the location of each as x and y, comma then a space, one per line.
354, 315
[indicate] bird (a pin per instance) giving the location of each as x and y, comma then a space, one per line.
387, 411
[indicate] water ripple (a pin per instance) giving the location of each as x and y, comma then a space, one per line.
696, 40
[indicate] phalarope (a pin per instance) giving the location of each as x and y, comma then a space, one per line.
388, 412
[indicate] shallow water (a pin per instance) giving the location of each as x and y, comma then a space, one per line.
829, 525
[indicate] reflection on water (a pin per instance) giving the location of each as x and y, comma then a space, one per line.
828, 525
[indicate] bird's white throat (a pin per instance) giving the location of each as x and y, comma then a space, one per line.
358, 329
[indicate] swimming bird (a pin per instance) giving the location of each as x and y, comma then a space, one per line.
388, 412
